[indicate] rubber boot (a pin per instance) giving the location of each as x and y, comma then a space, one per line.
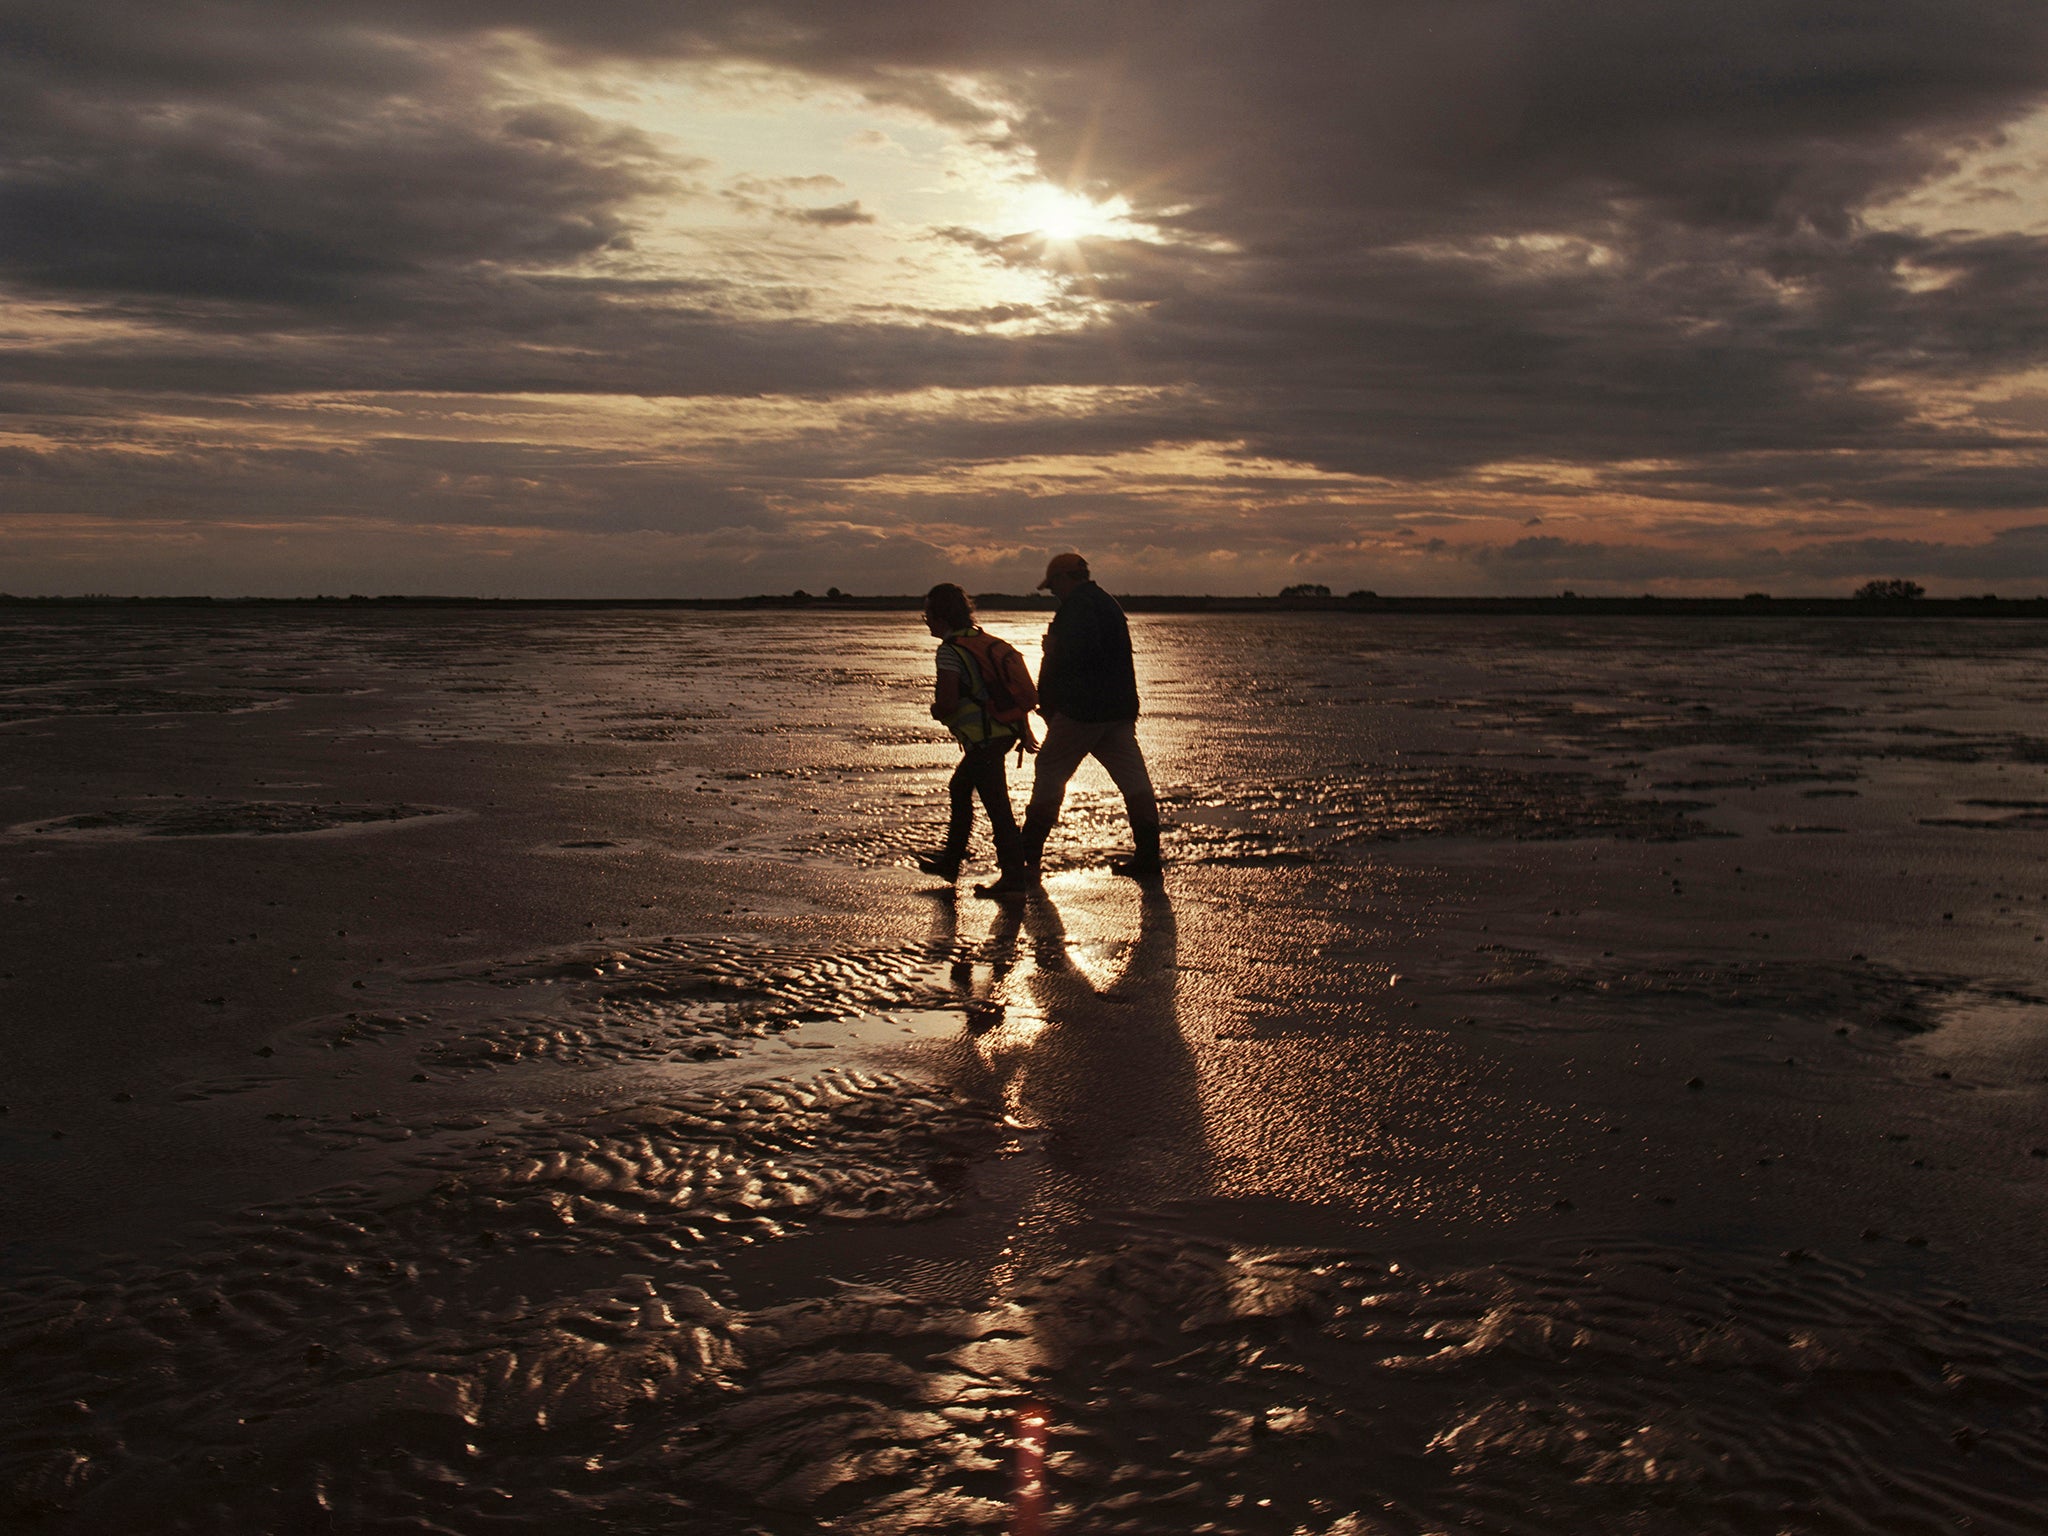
1020, 867
1145, 865
945, 863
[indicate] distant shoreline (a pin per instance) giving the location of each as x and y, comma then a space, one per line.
997, 602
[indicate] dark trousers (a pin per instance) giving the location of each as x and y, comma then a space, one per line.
981, 773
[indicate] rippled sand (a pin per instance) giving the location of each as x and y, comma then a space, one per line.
499, 1072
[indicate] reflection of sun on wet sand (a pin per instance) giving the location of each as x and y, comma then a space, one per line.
1469, 1136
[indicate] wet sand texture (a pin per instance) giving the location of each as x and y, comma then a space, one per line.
486, 1073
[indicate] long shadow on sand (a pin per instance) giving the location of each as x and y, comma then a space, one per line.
1082, 1042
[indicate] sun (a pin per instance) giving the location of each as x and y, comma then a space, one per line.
1064, 217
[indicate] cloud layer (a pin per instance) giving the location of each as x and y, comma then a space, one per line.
1724, 296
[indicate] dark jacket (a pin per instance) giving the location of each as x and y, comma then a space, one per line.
1087, 673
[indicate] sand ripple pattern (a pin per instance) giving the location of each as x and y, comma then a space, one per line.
1187, 1387
1356, 803
686, 996
1862, 995
339, 1361
665, 1178
29, 704
224, 818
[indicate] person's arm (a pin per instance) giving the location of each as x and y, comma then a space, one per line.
946, 686
1049, 668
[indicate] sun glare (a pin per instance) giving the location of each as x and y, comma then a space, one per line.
1064, 217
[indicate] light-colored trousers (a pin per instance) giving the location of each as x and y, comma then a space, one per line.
1112, 743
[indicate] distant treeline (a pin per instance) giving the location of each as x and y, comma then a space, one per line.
1755, 604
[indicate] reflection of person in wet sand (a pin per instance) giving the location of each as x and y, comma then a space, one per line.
1101, 1068
962, 702
1088, 693
1098, 1065
979, 975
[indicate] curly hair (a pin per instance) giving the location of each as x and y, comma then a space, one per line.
948, 604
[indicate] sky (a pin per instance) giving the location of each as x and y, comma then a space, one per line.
694, 298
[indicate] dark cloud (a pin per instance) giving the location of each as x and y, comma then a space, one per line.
309, 211
834, 215
2005, 478
1410, 242
396, 481
2014, 555
518, 336
774, 196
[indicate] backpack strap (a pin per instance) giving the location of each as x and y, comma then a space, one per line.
970, 670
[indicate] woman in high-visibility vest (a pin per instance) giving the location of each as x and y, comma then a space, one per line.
963, 702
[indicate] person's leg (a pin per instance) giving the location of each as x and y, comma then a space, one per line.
991, 782
1146, 861
1065, 743
945, 863
1118, 751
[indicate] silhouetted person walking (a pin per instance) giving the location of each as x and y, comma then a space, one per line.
1088, 693
964, 702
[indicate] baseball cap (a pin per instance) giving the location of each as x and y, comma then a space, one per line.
1069, 564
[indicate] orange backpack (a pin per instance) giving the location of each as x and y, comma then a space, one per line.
997, 676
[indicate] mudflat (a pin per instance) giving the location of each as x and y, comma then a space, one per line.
495, 1071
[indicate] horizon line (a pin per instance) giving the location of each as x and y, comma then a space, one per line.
1357, 601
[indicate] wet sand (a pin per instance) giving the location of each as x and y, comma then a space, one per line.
499, 1072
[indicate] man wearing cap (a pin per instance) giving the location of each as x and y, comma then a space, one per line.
1088, 693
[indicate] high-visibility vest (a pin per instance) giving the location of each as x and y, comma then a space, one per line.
982, 715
